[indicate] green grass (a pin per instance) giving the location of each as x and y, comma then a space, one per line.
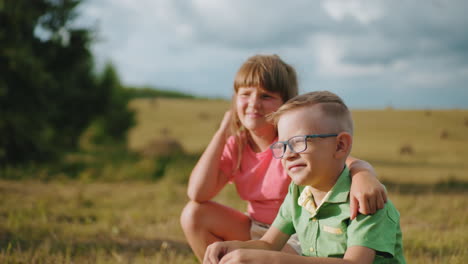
113, 209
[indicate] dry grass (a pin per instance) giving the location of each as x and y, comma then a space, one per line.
73, 222
137, 221
192, 122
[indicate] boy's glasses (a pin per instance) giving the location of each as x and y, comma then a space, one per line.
296, 144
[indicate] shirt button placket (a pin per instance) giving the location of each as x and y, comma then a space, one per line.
315, 225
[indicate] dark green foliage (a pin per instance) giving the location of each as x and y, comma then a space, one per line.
161, 164
115, 119
108, 163
23, 126
49, 93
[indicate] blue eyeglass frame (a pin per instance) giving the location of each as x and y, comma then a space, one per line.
286, 143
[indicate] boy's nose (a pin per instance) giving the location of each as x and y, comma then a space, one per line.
288, 154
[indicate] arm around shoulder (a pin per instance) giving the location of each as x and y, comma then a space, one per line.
367, 194
356, 166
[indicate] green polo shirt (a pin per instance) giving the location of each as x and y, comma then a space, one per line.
329, 231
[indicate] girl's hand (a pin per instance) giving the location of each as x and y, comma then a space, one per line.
225, 125
367, 194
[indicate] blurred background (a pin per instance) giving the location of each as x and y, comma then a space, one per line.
105, 106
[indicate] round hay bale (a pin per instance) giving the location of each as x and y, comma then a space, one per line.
203, 116
444, 134
165, 132
153, 101
162, 147
406, 149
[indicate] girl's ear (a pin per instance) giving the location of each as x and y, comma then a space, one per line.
344, 142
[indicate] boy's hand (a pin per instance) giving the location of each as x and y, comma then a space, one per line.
249, 256
367, 194
216, 251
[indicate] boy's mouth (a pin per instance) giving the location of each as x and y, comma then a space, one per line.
296, 167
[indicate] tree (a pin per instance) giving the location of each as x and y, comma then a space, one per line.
49, 92
112, 125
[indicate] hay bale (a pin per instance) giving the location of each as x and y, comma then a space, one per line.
165, 132
466, 121
406, 149
162, 147
428, 113
444, 134
153, 101
203, 116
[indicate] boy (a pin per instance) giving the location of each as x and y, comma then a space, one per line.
315, 132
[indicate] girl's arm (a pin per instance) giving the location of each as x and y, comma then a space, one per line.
367, 194
206, 179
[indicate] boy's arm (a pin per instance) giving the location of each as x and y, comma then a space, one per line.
226, 252
367, 194
353, 255
260, 252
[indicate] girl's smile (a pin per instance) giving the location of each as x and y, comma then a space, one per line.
253, 104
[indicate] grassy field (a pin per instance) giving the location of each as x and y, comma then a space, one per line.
421, 156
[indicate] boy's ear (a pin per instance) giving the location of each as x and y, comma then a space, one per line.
344, 141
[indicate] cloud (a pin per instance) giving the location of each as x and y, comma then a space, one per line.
196, 46
363, 11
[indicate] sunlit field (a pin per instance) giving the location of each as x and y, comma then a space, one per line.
131, 215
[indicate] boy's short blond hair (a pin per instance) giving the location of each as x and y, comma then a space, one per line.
331, 105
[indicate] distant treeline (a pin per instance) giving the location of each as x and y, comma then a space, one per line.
149, 92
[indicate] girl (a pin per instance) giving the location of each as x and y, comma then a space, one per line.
262, 85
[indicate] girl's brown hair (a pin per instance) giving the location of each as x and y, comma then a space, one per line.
268, 72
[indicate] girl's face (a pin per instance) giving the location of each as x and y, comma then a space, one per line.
252, 106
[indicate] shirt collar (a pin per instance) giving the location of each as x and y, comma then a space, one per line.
340, 191
338, 194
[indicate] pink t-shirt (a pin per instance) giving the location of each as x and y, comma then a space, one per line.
261, 181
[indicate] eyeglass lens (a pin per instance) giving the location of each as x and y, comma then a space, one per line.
296, 145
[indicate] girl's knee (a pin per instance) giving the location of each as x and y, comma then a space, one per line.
191, 214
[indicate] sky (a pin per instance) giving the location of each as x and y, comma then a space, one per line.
408, 54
